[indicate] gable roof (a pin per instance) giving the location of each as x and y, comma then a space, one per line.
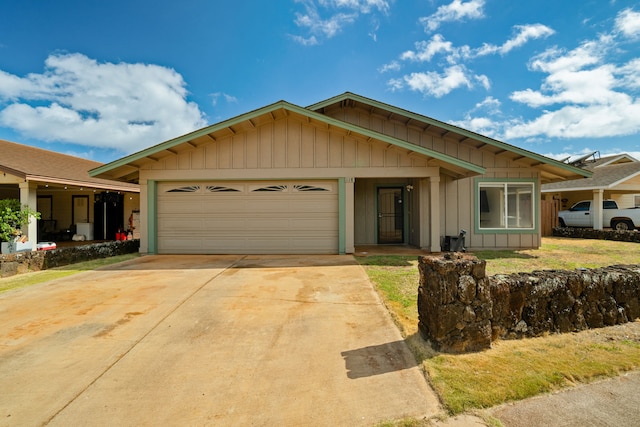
609, 160
551, 170
127, 168
39, 165
608, 172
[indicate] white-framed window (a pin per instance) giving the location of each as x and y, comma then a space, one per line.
506, 205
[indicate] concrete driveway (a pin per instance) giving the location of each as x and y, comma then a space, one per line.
207, 340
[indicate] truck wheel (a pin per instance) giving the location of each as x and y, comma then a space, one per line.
562, 224
622, 225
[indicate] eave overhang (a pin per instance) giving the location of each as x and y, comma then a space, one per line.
551, 170
126, 169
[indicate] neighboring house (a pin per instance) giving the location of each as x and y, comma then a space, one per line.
344, 172
60, 188
614, 177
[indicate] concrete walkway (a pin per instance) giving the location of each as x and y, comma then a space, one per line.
608, 403
207, 340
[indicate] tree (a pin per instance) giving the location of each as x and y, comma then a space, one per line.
13, 217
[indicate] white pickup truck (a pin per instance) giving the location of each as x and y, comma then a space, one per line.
581, 215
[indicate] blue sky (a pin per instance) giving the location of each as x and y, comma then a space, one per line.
104, 79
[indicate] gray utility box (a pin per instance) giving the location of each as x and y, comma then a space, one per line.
452, 243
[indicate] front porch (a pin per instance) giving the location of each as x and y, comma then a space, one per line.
383, 250
396, 213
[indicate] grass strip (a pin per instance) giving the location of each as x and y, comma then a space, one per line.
513, 369
28, 279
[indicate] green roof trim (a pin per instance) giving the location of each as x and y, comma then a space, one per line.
296, 109
184, 138
452, 128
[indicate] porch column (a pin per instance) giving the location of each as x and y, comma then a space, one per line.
29, 197
423, 213
597, 209
434, 205
349, 238
144, 217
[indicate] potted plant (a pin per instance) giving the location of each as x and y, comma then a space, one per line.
12, 218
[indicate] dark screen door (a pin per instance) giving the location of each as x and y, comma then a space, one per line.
390, 215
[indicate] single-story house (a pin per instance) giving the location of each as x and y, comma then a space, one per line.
68, 199
343, 172
614, 177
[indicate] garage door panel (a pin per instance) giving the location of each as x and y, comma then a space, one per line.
225, 206
256, 217
316, 224
180, 208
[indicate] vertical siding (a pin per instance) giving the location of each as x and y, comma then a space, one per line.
294, 144
335, 150
184, 160
225, 157
251, 150
265, 146
308, 143
350, 153
291, 143
238, 151
279, 144
322, 149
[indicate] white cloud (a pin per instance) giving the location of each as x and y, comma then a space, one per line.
391, 66
339, 14
628, 23
524, 33
585, 87
78, 100
457, 10
483, 80
306, 41
630, 74
426, 50
229, 99
593, 121
489, 103
454, 57
590, 93
435, 84
482, 125
374, 31
589, 53
323, 27
362, 6
585, 94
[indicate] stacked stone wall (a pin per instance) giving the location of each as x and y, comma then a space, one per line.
461, 309
22, 262
590, 233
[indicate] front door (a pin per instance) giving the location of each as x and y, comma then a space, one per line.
390, 216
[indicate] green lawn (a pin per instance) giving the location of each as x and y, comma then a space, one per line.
516, 369
28, 279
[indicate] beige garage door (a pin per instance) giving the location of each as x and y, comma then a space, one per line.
252, 217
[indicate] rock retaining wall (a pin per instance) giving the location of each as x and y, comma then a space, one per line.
22, 262
461, 309
590, 233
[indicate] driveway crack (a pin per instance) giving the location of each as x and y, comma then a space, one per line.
138, 341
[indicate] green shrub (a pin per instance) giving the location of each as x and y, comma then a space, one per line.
13, 217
